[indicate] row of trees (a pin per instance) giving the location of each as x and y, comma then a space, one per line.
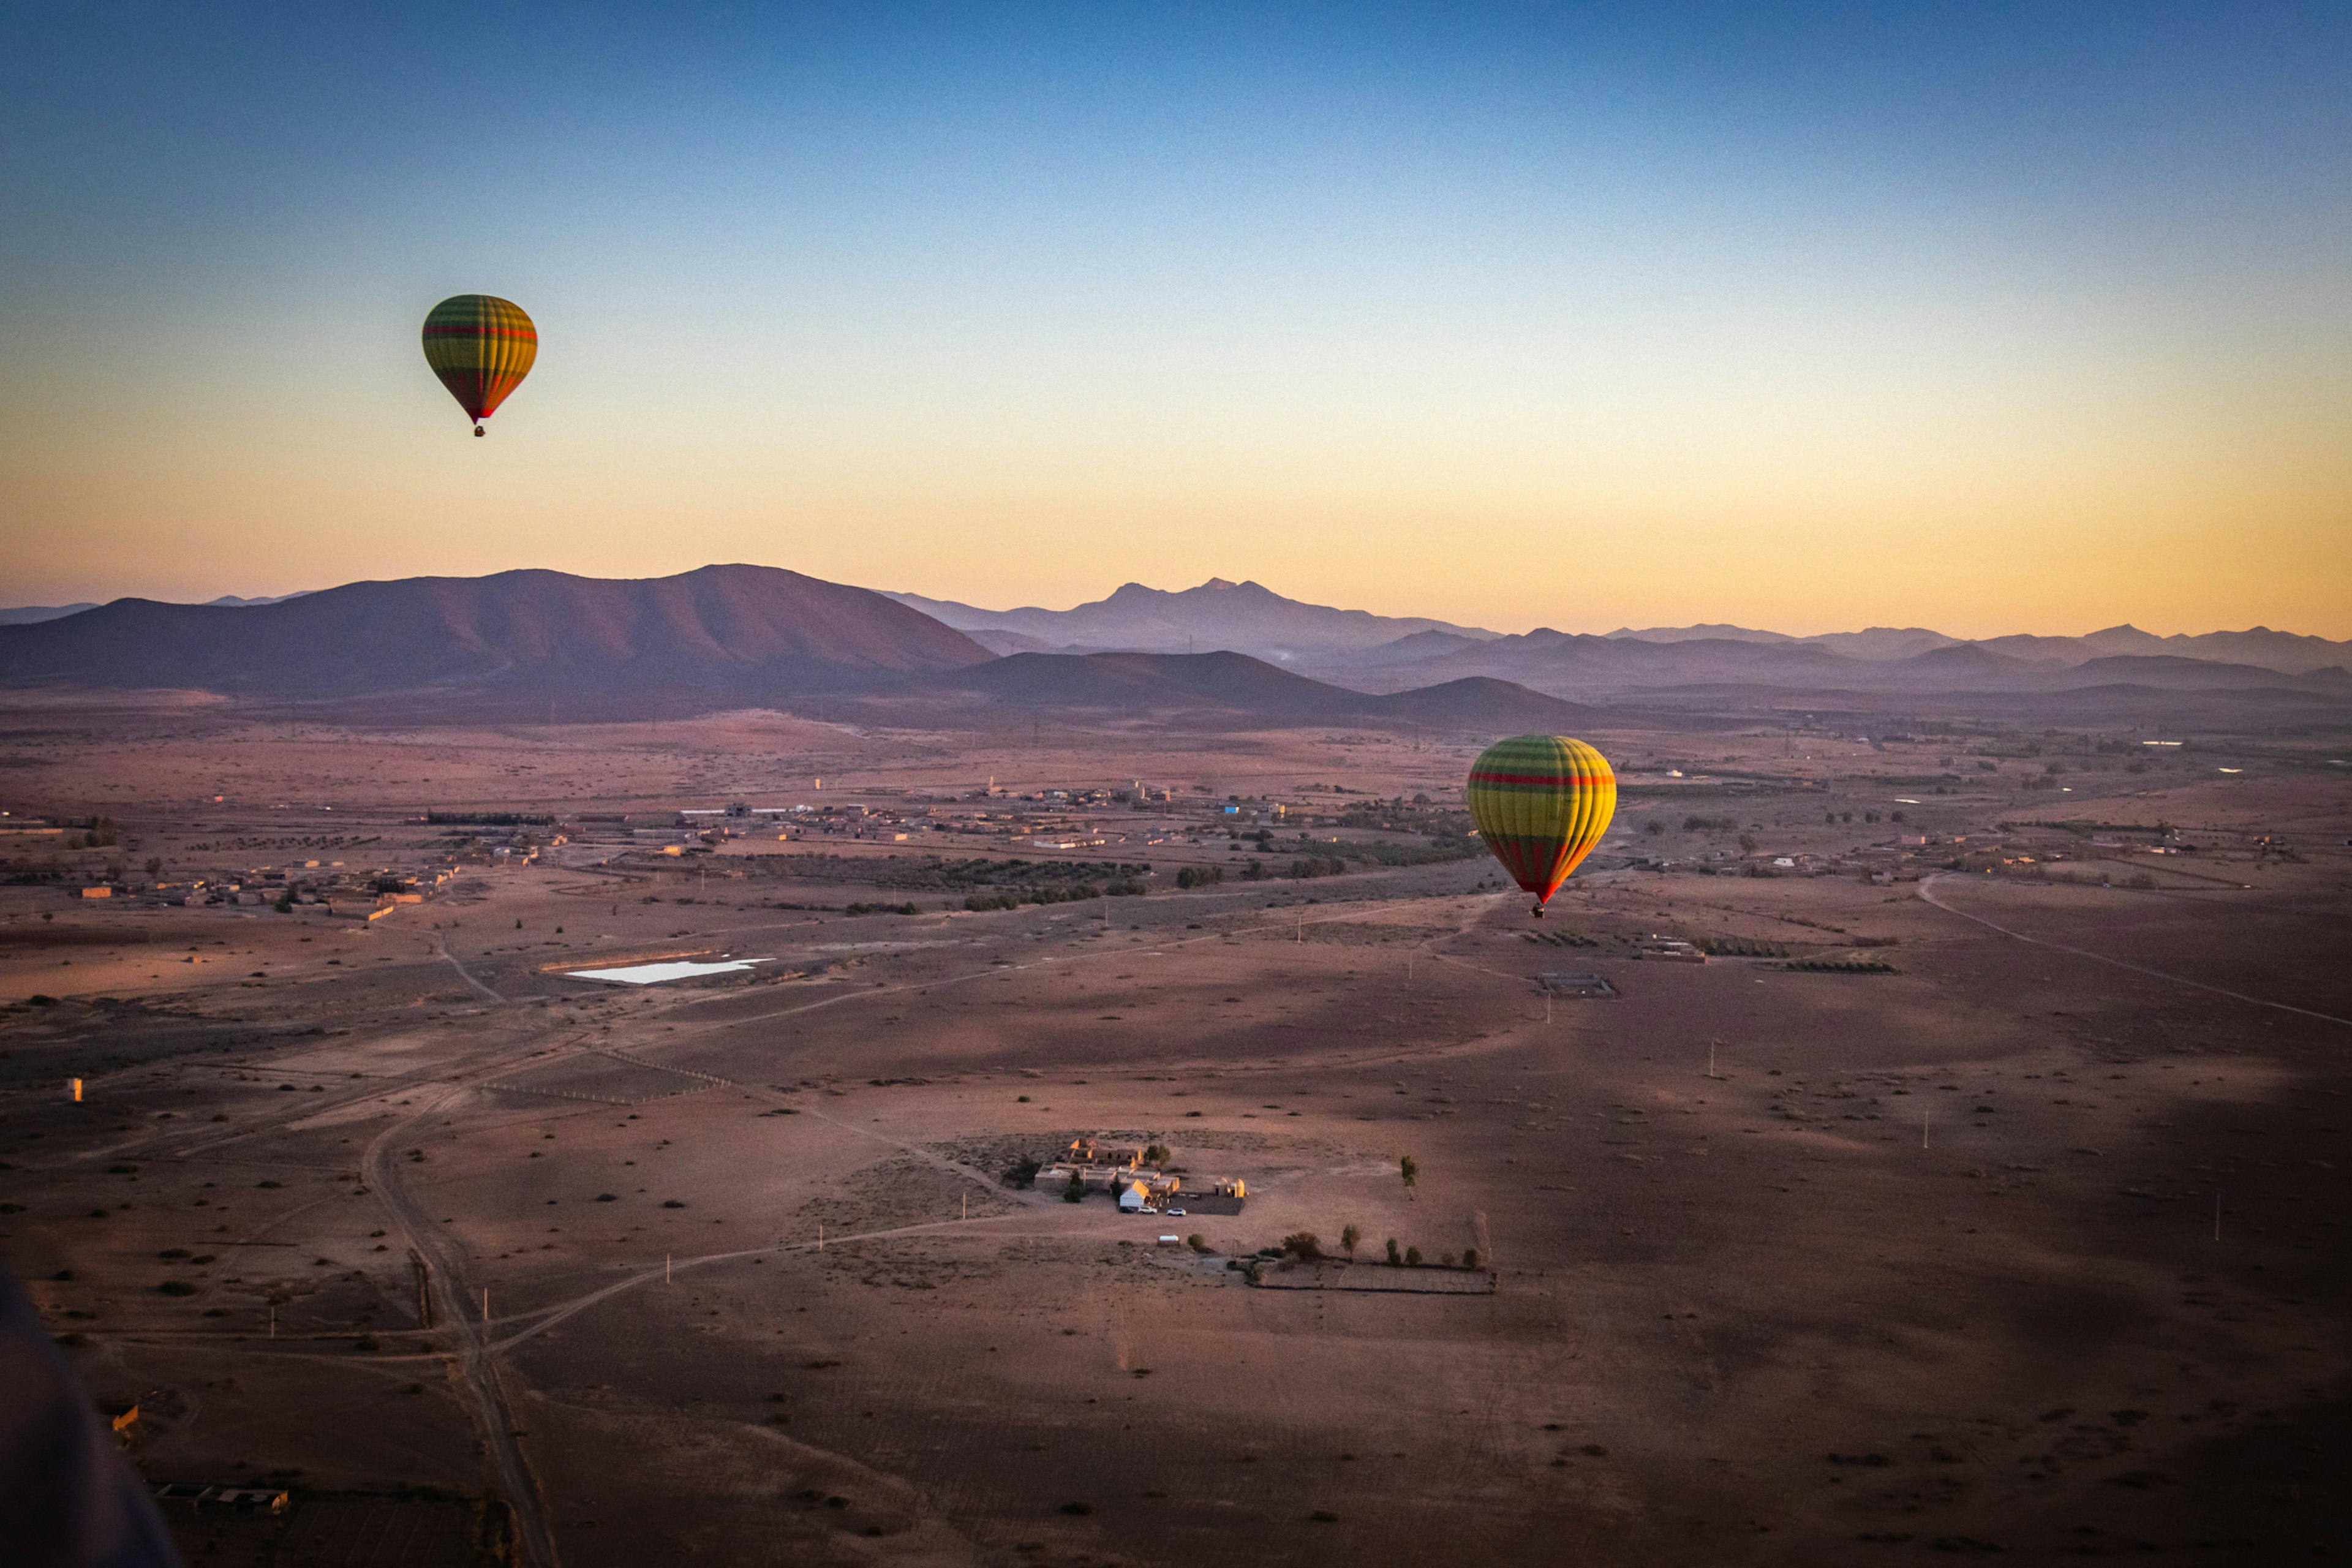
1053, 893
1307, 1247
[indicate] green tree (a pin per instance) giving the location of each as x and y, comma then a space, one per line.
1473, 1258
1394, 1255
1409, 1169
1412, 1257
1076, 1191
1303, 1244
154, 865
1197, 1242
1348, 1238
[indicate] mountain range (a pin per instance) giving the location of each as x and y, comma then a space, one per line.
1247, 617
25, 614
521, 642
2286, 652
740, 634
1218, 616
722, 632
1612, 668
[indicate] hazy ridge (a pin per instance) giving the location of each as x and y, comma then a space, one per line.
1223, 651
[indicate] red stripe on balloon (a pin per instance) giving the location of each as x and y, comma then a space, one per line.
1537, 778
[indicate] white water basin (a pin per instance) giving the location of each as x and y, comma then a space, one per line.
655, 974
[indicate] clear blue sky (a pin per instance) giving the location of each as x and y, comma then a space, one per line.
1995, 318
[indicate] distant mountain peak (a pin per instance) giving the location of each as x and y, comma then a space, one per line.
1244, 617
1706, 631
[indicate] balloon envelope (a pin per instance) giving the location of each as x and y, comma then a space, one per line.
481, 347
1541, 801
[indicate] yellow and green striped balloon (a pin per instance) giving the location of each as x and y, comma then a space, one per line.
481, 347
1541, 801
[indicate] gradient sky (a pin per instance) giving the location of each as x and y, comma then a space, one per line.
1990, 317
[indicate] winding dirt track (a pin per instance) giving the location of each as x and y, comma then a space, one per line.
478, 1369
441, 946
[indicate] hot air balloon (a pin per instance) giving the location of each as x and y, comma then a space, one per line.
1541, 801
481, 347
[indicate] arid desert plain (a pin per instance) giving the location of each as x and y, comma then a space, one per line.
1971, 1181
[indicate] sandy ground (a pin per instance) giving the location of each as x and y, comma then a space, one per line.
1789, 1267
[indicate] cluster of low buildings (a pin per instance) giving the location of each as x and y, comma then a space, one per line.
331, 886
1120, 1170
